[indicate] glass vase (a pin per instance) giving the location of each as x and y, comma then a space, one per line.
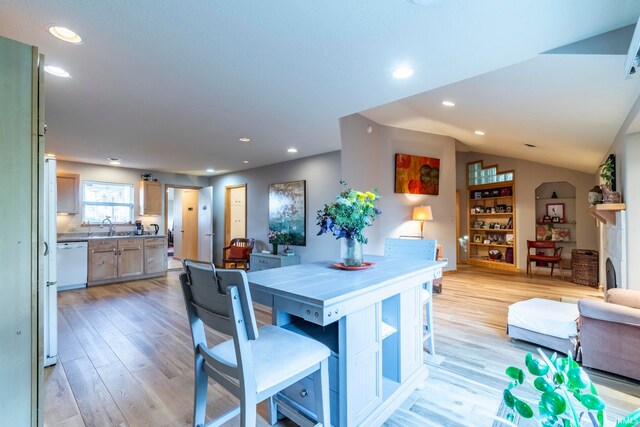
351, 252
274, 248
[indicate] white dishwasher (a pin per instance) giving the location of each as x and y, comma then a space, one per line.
72, 265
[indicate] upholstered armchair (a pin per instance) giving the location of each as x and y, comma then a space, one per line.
610, 333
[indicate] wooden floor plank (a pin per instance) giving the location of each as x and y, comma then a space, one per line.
138, 408
60, 406
94, 401
144, 325
96, 348
75, 421
69, 347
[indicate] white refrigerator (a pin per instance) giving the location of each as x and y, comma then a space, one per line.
50, 258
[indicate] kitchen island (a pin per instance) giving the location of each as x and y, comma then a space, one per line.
371, 320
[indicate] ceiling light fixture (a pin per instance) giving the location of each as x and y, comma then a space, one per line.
114, 161
292, 150
402, 73
530, 145
448, 104
211, 170
479, 132
246, 162
64, 34
57, 71
50, 155
244, 139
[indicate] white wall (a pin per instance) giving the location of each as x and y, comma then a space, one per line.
322, 174
528, 176
368, 161
630, 159
117, 174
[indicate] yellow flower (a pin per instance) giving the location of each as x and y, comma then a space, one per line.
371, 195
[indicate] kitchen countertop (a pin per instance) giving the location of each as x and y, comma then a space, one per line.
84, 237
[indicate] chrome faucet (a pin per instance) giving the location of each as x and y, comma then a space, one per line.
112, 229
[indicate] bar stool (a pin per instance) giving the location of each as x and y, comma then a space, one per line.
422, 249
256, 363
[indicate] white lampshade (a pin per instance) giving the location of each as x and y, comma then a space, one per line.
422, 213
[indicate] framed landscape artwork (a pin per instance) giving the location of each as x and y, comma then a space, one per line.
287, 203
417, 175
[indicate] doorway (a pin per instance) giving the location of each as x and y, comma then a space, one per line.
235, 212
188, 214
181, 223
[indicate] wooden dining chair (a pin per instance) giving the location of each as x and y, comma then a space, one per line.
422, 249
238, 252
545, 245
256, 363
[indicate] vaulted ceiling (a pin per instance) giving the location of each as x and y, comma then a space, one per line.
172, 85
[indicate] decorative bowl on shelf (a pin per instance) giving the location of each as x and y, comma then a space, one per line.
495, 254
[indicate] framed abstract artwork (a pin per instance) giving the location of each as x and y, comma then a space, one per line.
287, 212
417, 175
556, 210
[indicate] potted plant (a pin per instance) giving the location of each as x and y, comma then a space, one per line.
275, 238
608, 174
346, 218
566, 395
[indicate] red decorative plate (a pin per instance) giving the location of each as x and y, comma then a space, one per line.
364, 266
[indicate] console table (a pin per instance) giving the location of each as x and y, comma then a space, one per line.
266, 261
371, 320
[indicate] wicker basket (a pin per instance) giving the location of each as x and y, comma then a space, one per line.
584, 267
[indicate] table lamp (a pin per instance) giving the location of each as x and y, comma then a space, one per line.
422, 214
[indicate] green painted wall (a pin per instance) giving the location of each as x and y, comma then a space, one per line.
18, 237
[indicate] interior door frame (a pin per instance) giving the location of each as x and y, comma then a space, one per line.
166, 199
227, 211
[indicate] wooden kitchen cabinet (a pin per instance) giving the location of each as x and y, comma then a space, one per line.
103, 260
150, 198
130, 257
68, 193
114, 260
155, 255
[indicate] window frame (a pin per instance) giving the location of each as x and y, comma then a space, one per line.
85, 203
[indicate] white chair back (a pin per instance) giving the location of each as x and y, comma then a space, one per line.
410, 248
221, 300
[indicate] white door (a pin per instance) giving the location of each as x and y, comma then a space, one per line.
50, 267
205, 224
177, 223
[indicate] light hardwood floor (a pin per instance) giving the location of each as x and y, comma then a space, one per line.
125, 357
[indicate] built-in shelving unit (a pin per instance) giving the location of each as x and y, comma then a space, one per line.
555, 216
491, 216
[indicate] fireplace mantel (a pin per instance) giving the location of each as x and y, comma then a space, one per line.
606, 212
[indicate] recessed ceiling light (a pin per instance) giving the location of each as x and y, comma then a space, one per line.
64, 34
56, 71
50, 155
402, 73
479, 132
210, 170
448, 104
246, 162
244, 139
292, 150
530, 145
114, 160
